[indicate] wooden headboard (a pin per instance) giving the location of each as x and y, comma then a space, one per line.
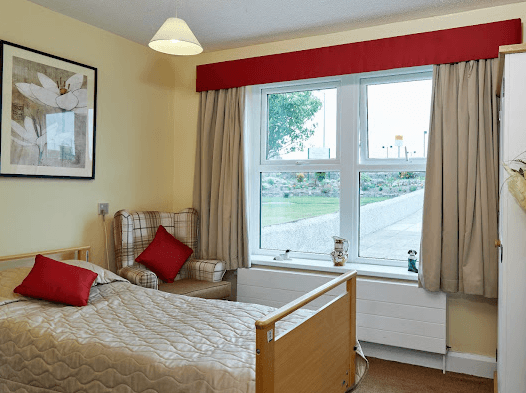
11, 261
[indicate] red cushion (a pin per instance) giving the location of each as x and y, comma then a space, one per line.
165, 255
57, 282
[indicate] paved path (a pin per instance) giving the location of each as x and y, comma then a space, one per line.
394, 241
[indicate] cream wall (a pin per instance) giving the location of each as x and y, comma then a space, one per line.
472, 321
134, 137
140, 162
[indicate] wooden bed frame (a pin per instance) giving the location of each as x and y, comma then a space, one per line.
81, 253
318, 355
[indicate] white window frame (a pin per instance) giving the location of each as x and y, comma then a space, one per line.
365, 164
257, 143
350, 159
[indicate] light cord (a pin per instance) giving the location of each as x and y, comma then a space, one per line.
106, 241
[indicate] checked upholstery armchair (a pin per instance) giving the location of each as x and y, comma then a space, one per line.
134, 231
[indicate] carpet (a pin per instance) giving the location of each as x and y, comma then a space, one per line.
393, 377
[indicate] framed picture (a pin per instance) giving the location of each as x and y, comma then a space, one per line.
48, 119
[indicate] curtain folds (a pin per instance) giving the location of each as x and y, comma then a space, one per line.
461, 193
219, 180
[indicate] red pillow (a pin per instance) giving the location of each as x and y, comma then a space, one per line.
57, 282
165, 255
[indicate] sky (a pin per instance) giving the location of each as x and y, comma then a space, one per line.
402, 109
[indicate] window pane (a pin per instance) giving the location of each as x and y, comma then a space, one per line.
302, 125
398, 119
300, 211
391, 206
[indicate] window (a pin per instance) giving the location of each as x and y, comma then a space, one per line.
300, 124
295, 206
394, 122
395, 113
299, 170
389, 229
339, 157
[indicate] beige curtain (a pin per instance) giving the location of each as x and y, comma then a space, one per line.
461, 193
219, 184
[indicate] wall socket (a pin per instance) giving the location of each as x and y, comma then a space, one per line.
104, 208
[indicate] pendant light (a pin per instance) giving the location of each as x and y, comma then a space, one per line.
175, 38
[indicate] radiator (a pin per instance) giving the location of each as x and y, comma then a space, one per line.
387, 312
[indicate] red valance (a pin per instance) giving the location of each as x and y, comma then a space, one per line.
436, 47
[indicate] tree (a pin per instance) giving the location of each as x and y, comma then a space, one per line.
289, 115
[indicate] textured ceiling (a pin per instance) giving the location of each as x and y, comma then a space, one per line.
224, 24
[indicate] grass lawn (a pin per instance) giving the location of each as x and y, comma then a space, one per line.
279, 210
366, 200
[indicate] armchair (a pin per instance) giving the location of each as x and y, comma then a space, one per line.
134, 231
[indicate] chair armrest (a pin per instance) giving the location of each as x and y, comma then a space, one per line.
203, 269
140, 276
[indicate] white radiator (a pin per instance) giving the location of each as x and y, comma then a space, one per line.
387, 312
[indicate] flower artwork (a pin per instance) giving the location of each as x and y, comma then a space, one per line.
48, 115
67, 95
29, 135
54, 106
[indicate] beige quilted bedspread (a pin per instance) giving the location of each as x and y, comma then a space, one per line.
130, 339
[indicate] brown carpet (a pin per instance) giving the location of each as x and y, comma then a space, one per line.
393, 377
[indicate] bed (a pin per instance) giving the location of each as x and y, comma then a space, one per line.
134, 339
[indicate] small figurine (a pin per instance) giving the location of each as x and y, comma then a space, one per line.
283, 257
411, 261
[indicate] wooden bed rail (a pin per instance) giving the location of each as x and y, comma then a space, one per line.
319, 354
83, 253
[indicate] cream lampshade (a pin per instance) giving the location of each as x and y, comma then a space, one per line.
175, 38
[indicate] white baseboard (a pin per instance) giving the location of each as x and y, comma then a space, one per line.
402, 355
457, 362
467, 363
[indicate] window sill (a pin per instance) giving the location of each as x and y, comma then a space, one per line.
393, 272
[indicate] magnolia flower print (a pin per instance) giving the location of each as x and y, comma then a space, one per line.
66, 95
32, 134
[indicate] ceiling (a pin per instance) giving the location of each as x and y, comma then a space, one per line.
224, 24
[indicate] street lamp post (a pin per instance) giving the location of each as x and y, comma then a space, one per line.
425, 133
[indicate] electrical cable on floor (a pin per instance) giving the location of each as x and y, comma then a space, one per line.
106, 241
